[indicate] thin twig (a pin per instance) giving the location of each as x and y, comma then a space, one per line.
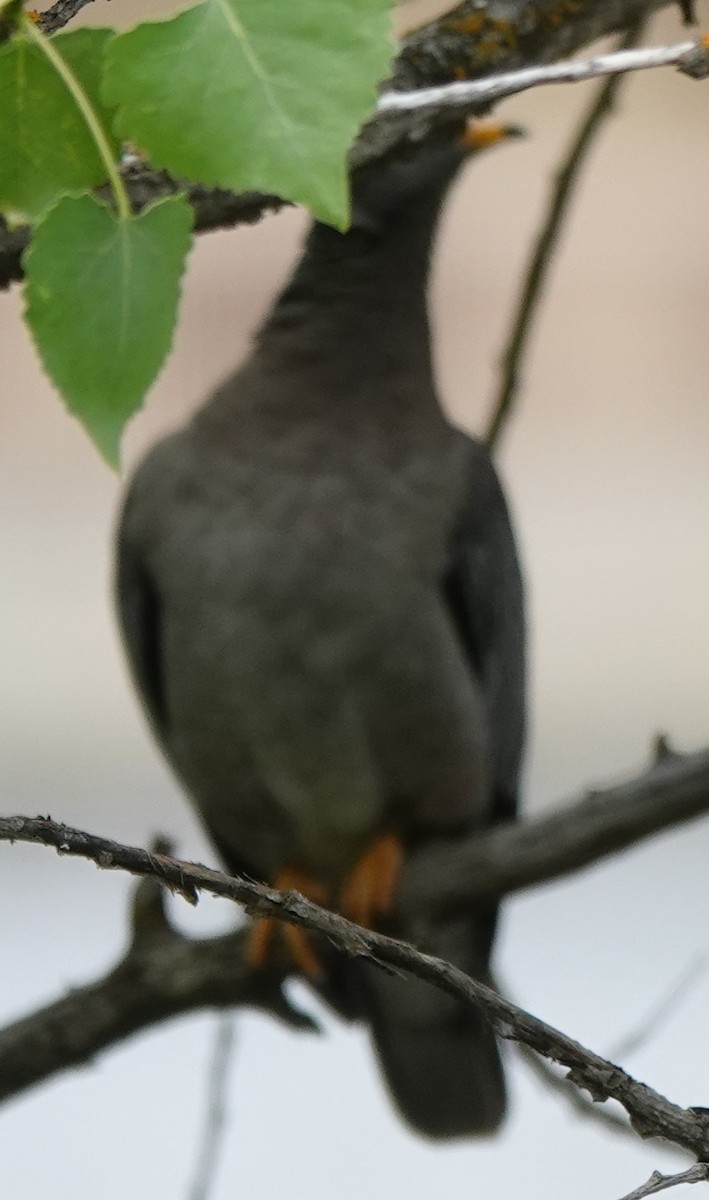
476, 94
699, 1173
215, 1120
535, 277
631, 1042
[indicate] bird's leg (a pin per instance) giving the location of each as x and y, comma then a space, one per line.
367, 895
297, 941
370, 888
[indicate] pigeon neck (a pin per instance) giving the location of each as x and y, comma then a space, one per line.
363, 288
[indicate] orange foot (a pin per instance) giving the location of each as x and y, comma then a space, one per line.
370, 888
297, 940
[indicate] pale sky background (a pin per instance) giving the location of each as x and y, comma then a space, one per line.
606, 466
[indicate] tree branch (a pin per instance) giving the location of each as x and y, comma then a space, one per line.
91, 1017
164, 973
522, 854
214, 208
476, 39
402, 119
699, 1173
60, 14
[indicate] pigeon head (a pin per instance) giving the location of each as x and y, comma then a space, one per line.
418, 181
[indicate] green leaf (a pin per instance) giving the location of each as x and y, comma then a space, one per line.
264, 94
46, 147
102, 297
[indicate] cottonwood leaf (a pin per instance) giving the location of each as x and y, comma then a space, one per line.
46, 148
102, 295
254, 93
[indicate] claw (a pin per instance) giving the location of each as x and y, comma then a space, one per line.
266, 930
370, 888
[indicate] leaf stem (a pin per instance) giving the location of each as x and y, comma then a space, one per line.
85, 107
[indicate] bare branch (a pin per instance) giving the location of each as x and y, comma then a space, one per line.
521, 854
60, 14
477, 39
535, 277
214, 208
164, 973
699, 1173
145, 980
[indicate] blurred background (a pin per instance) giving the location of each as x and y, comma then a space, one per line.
606, 466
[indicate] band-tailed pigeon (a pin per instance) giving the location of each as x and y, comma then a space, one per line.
321, 604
